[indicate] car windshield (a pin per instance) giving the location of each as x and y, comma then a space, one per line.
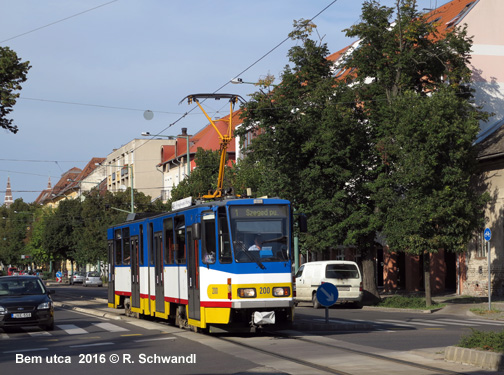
93, 274
18, 287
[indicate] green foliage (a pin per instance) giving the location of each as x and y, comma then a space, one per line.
484, 340
407, 302
15, 226
12, 73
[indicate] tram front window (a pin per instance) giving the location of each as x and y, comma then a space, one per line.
260, 233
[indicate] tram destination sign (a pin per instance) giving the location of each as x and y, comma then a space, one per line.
258, 212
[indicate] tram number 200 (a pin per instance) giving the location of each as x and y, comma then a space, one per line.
264, 290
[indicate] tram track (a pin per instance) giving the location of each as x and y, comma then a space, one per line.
375, 361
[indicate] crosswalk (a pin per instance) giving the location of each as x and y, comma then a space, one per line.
414, 323
386, 324
69, 329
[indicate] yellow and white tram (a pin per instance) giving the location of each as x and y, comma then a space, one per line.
217, 265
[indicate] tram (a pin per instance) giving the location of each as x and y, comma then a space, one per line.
219, 265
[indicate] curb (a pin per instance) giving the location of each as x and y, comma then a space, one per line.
401, 310
485, 360
91, 311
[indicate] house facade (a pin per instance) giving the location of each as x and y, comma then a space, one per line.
134, 166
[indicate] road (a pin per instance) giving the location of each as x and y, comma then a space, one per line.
386, 343
400, 330
85, 344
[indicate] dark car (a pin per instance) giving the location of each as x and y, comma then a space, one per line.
25, 301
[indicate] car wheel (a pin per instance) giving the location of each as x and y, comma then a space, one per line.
316, 303
84, 284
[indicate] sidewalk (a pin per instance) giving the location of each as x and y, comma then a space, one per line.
480, 359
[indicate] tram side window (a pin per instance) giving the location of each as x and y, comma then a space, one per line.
209, 241
118, 246
169, 256
126, 247
151, 244
141, 247
180, 242
225, 255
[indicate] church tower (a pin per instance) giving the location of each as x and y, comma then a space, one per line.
8, 194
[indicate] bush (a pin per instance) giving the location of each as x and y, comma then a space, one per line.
406, 302
491, 341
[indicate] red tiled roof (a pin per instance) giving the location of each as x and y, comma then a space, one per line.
207, 138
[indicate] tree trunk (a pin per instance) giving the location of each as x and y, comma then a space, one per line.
371, 295
427, 285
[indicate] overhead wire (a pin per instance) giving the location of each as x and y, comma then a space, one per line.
183, 115
55, 22
243, 71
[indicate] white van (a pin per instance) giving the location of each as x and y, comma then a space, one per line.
345, 275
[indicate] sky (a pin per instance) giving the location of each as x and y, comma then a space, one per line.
98, 65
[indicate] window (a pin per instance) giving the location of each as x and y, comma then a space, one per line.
118, 246
209, 242
224, 244
168, 241
481, 245
126, 246
180, 242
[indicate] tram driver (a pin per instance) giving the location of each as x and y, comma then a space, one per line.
257, 243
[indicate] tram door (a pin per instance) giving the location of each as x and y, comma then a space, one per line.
135, 274
158, 271
193, 281
111, 270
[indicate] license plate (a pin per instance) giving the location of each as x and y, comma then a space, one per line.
21, 315
343, 289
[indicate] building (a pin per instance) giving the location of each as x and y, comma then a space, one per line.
8, 200
134, 166
70, 186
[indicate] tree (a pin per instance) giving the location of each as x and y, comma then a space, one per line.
12, 73
414, 85
60, 234
15, 228
311, 137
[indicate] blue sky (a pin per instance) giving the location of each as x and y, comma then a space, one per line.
115, 59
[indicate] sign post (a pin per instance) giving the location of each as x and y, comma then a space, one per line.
488, 236
327, 295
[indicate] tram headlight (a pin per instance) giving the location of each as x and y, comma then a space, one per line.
281, 291
247, 293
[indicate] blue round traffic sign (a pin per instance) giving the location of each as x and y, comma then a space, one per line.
487, 234
327, 294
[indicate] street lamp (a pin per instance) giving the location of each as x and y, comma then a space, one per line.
239, 81
188, 157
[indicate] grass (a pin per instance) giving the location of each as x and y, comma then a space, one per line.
483, 340
405, 302
485, 311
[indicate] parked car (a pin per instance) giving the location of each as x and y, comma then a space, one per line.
345, 275
25, 301
12, 271
93, 278
77, 277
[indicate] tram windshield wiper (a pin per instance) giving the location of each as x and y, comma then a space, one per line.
249, 255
